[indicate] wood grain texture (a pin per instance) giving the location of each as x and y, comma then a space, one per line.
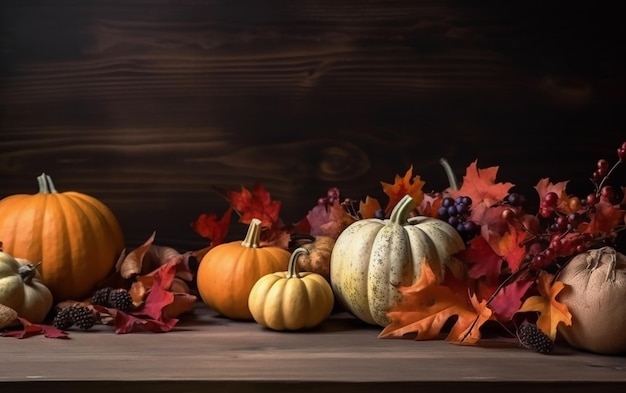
147, 104
208, 352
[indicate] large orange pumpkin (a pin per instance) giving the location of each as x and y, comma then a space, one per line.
228, 271
75, 236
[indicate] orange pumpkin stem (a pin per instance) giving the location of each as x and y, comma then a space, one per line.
46, 186
253, 236
292, 271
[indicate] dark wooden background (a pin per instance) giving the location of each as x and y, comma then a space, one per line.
147, 104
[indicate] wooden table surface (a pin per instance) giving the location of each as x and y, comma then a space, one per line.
206, 352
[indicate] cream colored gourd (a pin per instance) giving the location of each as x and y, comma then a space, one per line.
595, 294
22, 290
372, 258
291, 300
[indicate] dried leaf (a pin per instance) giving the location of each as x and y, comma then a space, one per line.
181, 304
209, 227
34, 329
369, 208
7, 316
131, 264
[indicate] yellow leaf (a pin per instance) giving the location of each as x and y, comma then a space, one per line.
551, 311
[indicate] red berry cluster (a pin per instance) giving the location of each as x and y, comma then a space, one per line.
561, 238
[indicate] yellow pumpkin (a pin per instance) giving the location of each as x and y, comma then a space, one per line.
290, 300
21, 289
595, 294
373, 257
228, 271
75, 236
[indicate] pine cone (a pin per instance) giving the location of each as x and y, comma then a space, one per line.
531, 337
63, 320
101, 297
121, 299
82, 316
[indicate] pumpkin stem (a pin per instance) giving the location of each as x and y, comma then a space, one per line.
292, 271
401, 211
454, 185
46, 186
253, 236
28, 271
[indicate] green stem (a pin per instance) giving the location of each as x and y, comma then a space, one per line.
454, 185
400, 212
253, 236
292, 271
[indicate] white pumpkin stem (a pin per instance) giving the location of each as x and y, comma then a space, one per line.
46, 186
454, 185
253, 236
400, 212
595, 256
292, 268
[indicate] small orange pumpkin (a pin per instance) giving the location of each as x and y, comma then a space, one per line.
228, 271
75, 236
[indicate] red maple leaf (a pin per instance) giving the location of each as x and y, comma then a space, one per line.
483, 260
480, 186
34, 329
405, 185
509, 299
255, 204
209, 227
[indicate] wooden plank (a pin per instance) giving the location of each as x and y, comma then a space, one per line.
210, 351
146, 110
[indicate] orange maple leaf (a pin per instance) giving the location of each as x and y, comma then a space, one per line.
426, 306
508, 246
551, 311
480, 186
604, 218
368, 208
255, 204
406, 185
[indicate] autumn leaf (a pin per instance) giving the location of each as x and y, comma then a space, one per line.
209, 227
509, 299
426, 306
480, 186
149, 256
369, 208
255, 204
551, 311
30, 329
604, 218
482, 259
509, 246
544, 186
430, 205
7, 316
328, 221
402, 186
